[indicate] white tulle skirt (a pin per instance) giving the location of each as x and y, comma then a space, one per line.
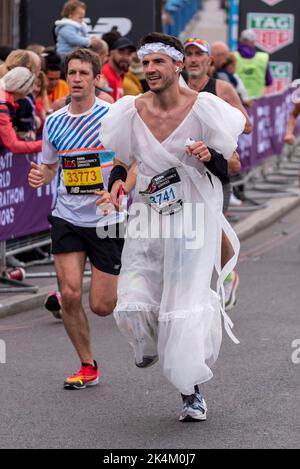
187, 345
166, 306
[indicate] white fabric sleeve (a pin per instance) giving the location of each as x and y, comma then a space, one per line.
117, 128
49, 153
221, 123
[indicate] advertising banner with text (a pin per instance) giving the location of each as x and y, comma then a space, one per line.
133, 18
275, 25
269, 116
23, 211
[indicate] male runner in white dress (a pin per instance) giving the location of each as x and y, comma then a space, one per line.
166, 307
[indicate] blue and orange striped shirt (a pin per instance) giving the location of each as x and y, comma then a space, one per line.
68, 135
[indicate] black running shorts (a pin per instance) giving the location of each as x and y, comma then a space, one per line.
104, 254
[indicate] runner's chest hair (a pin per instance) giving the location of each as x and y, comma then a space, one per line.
161, 123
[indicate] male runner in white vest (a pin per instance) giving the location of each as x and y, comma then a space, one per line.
71, 139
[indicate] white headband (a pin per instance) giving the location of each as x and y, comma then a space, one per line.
160, 48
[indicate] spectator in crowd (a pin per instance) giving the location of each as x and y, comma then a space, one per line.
71, 31
219, 52
24, 120
166, 18
20, 58
39, 49
253, 67
111, 37
135, 82
118, 65
15, 85
37, 61
56, 87
228, 73
24, 116
39, 93
102, 50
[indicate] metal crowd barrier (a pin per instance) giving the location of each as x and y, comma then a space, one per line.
269, 168
274, 179
181, 12
18, 247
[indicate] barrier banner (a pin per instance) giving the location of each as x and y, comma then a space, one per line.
269, 116
23, 211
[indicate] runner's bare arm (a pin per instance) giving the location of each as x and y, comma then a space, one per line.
290, 138
131, 179
41, 175
227, 92
234, 165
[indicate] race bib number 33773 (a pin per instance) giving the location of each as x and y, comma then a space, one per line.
82, 174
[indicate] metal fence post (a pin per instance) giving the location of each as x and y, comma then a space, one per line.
234, 14
2, 256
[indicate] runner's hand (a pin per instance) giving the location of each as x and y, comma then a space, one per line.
200, 151
36, 177
290, 139
114, 194
104, 202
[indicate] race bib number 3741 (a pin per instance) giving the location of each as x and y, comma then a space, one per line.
82, 174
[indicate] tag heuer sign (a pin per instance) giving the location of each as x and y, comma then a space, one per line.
271, 2
282, 73
282, 70
273, 31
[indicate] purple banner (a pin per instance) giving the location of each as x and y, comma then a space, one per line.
269, 116
23, 211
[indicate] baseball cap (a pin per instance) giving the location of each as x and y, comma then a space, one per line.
198, 42
248, 35
123, 43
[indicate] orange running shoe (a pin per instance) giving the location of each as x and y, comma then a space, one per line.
87, 376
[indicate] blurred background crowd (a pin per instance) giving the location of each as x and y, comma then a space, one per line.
33, 83
33, 80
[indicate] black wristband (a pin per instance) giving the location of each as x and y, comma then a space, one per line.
117, 173
218, 166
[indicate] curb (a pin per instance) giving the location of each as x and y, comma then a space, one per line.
254, 223
27, 302
262, 219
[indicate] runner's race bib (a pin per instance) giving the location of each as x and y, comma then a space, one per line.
164, 193
82, 174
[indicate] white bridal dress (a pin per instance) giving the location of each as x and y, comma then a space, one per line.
166, 303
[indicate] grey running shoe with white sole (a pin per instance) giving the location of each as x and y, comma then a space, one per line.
194, 408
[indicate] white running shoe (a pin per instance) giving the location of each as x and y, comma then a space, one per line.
234, 201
